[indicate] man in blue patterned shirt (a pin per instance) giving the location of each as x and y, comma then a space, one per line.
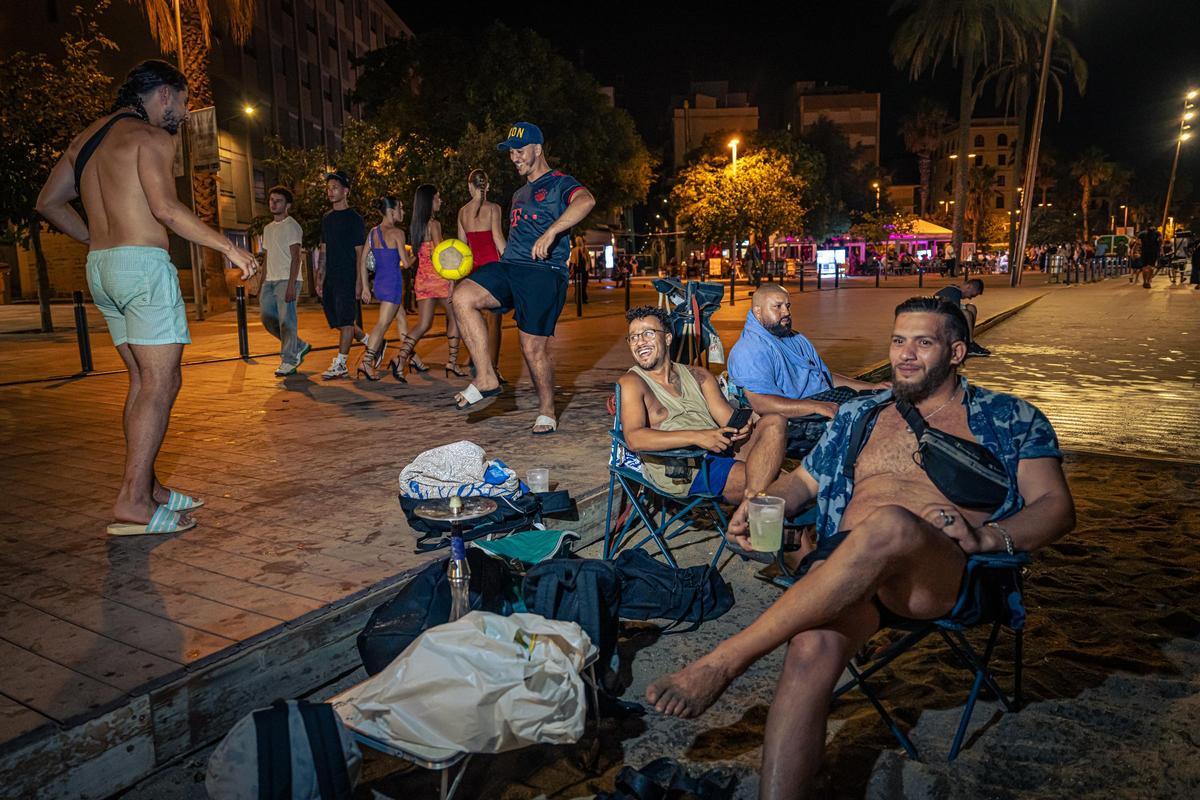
889, 542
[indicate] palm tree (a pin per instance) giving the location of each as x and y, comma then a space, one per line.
1092, 168
922, 133
196, 23
981, 192
973, 34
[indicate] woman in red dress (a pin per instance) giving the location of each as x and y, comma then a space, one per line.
480, 225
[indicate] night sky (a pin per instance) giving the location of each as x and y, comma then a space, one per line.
1142, 55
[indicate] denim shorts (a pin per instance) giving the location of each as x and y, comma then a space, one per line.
137, 290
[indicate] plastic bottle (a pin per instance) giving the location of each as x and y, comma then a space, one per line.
459, 573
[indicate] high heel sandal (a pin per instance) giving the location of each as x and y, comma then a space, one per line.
366, 366
452, 364
414, 360
402, 359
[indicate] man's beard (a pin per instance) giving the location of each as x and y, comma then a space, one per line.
913, 393
781, 329
171, 123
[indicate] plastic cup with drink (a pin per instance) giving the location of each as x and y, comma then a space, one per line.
765, 515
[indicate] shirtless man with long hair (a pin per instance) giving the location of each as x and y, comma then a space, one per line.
121, 166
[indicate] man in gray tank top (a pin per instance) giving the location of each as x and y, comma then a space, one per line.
665, 406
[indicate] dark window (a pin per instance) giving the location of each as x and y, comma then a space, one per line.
979, 140
374, 22
979, 161
304, 74
999, 201
329, 89
1001, 180
1001, 160
260, 186
1002, 140
286, 5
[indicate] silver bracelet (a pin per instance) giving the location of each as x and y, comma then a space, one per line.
1008, 542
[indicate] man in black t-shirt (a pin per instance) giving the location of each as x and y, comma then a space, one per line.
1151, 249
343, 234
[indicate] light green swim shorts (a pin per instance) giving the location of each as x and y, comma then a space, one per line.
137, 291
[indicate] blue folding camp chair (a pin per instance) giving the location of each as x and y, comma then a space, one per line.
650, 508
992, 595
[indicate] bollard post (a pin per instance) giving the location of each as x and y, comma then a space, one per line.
920, 277
732, 284
800, 273
81, 333
579, 294
627, 292
878, 269
243, 336
818, 277
837, 276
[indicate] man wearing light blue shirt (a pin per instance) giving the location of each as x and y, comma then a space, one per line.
778, 369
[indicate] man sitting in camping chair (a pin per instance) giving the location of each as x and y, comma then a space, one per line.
780, 372
894, 535
668, 406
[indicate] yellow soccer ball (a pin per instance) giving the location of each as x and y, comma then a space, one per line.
452, 259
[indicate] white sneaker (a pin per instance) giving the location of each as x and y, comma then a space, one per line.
286, 368
336, 370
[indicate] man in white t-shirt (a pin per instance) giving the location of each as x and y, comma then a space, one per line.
277, 299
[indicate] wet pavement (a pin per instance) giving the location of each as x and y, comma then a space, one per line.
1115, 367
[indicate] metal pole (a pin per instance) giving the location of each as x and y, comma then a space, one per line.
800, 272
920, 277
243, 335
81, 333
837, 276
732, 285
1035, 141
878, 269
627, 280
818, 276
1171, 184
578, 292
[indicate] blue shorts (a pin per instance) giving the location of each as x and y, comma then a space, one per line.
137, 290
535, 294
716, 469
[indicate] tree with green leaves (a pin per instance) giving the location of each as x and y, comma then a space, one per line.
876, 227
43, 105
441, 88
716, 203
1092, 168
842, 188
922, 130
973, 35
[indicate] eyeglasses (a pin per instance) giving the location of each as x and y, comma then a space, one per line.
644, 336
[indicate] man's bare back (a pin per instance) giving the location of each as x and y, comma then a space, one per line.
886, 475
118, 211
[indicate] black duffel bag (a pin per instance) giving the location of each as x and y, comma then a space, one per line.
652, 589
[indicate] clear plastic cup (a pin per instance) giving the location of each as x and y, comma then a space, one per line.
538, 479
766, 523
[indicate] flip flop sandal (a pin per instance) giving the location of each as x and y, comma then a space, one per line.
474, 397
164, 521
543, 421
178, 501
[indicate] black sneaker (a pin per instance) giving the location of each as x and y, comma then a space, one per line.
975, 349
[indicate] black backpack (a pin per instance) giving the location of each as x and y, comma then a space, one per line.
425, 601
586, 591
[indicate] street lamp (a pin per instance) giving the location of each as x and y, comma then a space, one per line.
875, 186
1184, 135
1125, 224
733, 143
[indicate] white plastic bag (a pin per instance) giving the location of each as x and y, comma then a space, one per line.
482, 684
459, 469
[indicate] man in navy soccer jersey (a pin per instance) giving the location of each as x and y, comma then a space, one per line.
530, 278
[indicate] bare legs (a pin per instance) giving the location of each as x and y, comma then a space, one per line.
536, 350
154, 381
912, 567
470, 302
387, 313
760, 458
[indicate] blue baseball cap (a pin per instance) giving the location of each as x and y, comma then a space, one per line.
520, 135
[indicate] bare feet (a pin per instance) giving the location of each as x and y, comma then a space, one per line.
131, 511
690, 691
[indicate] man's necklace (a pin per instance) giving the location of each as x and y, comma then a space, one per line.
935, 411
